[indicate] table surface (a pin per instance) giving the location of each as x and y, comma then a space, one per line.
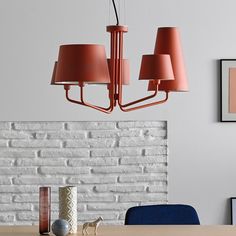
137, 230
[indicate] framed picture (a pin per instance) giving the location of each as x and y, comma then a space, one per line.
233, 210
228, 90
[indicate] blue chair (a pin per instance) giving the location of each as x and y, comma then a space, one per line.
166, 214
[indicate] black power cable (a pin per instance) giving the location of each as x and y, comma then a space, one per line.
117, 19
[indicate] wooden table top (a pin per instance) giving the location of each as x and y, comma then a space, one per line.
139, 230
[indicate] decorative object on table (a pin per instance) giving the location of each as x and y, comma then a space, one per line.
68, 206
44, 210
60, 227
228, 90
233, 210
93, 224
84, 64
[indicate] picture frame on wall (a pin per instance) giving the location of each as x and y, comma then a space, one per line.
228, 90
233, 210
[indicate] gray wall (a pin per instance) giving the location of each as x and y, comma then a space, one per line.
202, 151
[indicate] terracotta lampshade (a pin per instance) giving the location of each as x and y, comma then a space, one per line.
125, 71
156, 67
81, 63
54, 73
168, 42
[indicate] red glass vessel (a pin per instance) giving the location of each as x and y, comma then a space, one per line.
44, 210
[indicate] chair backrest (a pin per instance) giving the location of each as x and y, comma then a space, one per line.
166, 214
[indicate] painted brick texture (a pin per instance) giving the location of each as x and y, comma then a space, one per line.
115, 165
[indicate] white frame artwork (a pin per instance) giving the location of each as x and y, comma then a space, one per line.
225, 65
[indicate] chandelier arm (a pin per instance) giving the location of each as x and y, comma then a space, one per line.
71, 100
145, 105
139, 100
116, 62
106, 110
120, 67
119, 75
84, 104
111, 86
114, 6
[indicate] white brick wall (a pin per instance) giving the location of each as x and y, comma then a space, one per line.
115, 165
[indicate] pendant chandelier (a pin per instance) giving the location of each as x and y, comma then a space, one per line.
84, 64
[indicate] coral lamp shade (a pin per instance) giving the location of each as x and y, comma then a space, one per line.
54, 73
168, 42
156, 67
81, 63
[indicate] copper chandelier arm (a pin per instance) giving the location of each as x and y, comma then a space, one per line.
120, 90
113, 68
139, 100
87, 105
120, 68
107, 110
112, 85
145, 105
116, 63
71, 100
